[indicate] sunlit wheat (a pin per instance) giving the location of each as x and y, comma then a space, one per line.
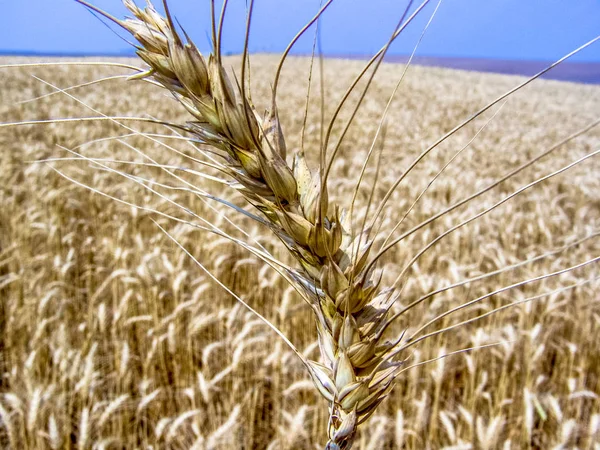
184, 273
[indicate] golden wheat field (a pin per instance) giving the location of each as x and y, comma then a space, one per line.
112, 337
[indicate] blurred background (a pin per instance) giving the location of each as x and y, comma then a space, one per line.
506, 36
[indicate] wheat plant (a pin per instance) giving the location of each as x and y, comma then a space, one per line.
240, 180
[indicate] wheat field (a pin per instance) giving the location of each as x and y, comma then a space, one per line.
111, 337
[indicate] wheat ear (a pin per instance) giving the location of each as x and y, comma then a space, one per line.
349, 306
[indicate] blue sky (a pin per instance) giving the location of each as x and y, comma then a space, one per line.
507, 29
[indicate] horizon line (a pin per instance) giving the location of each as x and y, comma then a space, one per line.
337, 55
587, 72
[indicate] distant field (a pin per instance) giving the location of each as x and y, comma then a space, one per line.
575, 72
111, 337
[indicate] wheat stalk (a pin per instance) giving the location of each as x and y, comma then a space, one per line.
349, 306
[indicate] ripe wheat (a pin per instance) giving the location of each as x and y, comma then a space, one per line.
336, 265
